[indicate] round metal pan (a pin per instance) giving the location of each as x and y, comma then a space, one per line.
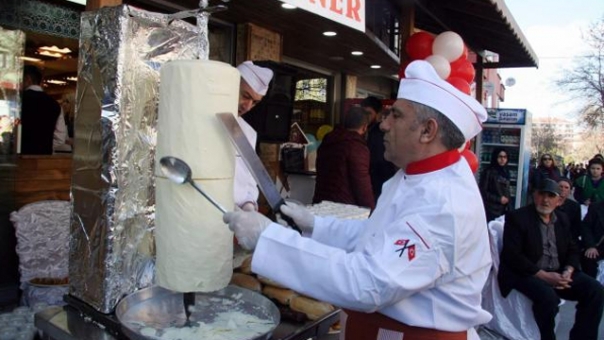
160, 308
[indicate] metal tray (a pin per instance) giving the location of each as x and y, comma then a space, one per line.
161, 308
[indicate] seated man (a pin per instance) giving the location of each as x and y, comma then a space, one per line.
592, 233
571, 208
540, 259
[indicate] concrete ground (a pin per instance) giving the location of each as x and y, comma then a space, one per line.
567, 319
567, 313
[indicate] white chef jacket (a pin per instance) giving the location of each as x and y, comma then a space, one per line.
422, 258
245, 188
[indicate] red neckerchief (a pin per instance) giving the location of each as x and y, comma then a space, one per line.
436, 162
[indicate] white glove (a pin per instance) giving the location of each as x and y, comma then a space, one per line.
249, 206
247, 226
304, 219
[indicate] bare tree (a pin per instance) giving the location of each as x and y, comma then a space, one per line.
544, 139
591, 143
585, 81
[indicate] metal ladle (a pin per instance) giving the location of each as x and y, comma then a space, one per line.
179, 172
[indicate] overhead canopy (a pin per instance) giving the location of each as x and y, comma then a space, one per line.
483, 24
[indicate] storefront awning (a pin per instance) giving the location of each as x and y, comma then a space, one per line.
483, 24
302, 34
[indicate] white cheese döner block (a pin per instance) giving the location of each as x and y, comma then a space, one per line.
193, 245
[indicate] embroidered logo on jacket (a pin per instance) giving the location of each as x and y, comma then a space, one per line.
404, 245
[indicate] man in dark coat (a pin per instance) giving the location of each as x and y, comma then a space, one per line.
343, 163
571, 208
540, 259
39, 114
380, 169
592, 234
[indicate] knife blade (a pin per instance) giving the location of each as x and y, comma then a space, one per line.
254, 165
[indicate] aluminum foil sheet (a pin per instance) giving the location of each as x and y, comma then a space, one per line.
42, 231
12, 43
121, 51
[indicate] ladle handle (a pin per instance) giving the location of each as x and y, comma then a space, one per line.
216, 204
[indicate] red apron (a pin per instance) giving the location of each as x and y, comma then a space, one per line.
376, 326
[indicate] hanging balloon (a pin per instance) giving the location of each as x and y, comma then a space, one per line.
323, 130
419, 45
441, 65
464, 54
448, 45
471, 159
463, 69
460, 84
401, 70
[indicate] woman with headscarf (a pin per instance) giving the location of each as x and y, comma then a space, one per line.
495, 185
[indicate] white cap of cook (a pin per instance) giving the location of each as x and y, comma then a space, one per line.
423, 85
258, 78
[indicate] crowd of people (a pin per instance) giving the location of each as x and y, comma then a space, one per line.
551, 246
418, 264
550, 252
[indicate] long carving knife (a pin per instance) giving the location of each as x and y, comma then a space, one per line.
254, 165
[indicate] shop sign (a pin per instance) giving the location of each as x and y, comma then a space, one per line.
346, 12
506, 116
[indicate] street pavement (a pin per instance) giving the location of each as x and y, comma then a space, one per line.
566, 321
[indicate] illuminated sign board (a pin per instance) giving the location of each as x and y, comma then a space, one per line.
346, 12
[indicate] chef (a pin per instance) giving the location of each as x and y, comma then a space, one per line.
253, 87
417, 266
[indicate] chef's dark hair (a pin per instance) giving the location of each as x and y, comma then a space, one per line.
450, 135
355, 118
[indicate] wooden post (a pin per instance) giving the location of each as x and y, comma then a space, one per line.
479, 67
92, 5
407, 28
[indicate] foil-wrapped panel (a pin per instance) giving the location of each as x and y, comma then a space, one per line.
121, 51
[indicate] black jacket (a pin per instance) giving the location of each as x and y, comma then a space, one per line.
39, 114
492, 186
592, 228
523, 246
572, 209
379, 168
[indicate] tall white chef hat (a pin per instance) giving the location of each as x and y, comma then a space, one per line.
255, 76
422, 85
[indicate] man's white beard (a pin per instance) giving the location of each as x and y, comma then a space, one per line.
545, 211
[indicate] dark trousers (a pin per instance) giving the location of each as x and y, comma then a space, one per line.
585, 290
590, 266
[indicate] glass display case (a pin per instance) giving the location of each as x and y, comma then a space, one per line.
508, 129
